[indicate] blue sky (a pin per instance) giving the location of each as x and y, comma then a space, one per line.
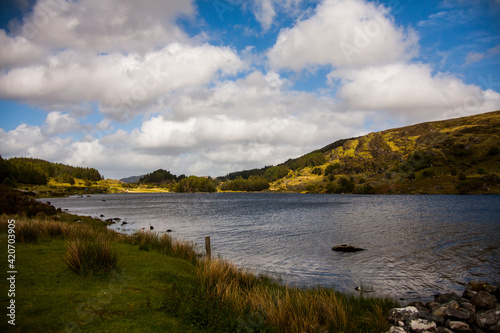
212, 86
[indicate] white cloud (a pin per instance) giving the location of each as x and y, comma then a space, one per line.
413, 91
474, 56
59, 123
246, 123
265, 13
343, 33
124, 85
30, 141
104, 26
18, 51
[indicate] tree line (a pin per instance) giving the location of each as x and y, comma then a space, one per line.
22, 170
260, 179
160, 177
180, 184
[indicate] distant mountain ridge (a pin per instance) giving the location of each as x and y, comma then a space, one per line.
131, 179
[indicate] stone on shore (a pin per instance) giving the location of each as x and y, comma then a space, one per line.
484, 300
421, 325
396, 329
489, 320
478, 310
458, 326
402, 314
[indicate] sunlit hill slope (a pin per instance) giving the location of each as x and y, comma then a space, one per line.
452, 156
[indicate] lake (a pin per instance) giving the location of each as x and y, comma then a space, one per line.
416, 245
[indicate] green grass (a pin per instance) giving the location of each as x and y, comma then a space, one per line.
49, 297
160, 285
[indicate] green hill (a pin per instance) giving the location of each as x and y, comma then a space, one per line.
35, 171
451, 156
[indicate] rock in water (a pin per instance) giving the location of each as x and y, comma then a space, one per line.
346, 248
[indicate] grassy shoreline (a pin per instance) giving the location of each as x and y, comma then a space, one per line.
159, 284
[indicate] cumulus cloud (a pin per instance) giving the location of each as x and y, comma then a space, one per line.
411, 90
371, 61
18, 51
31, 141
124, 85
245, 123
104, 26
59, 123
343, 33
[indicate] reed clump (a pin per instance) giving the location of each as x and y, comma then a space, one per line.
228, 298
88, 247
90, 255
27, 232
30, 230
166, 244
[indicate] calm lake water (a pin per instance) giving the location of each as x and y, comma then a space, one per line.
416, 246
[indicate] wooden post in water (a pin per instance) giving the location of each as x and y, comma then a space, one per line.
208, 248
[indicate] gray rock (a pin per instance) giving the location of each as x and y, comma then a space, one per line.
440, 310
419, 305
421, 325
469, 293
468, 306
454, 314
432, 305
484, 300
402, 314
396, 329
489, 319
437, 319
446, 298
458, 326
444, 330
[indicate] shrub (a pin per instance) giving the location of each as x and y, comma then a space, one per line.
346, 185
331, 169
494, 150
317, 171
428, 174
364, 189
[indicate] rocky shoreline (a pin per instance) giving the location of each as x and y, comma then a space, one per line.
476, 311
